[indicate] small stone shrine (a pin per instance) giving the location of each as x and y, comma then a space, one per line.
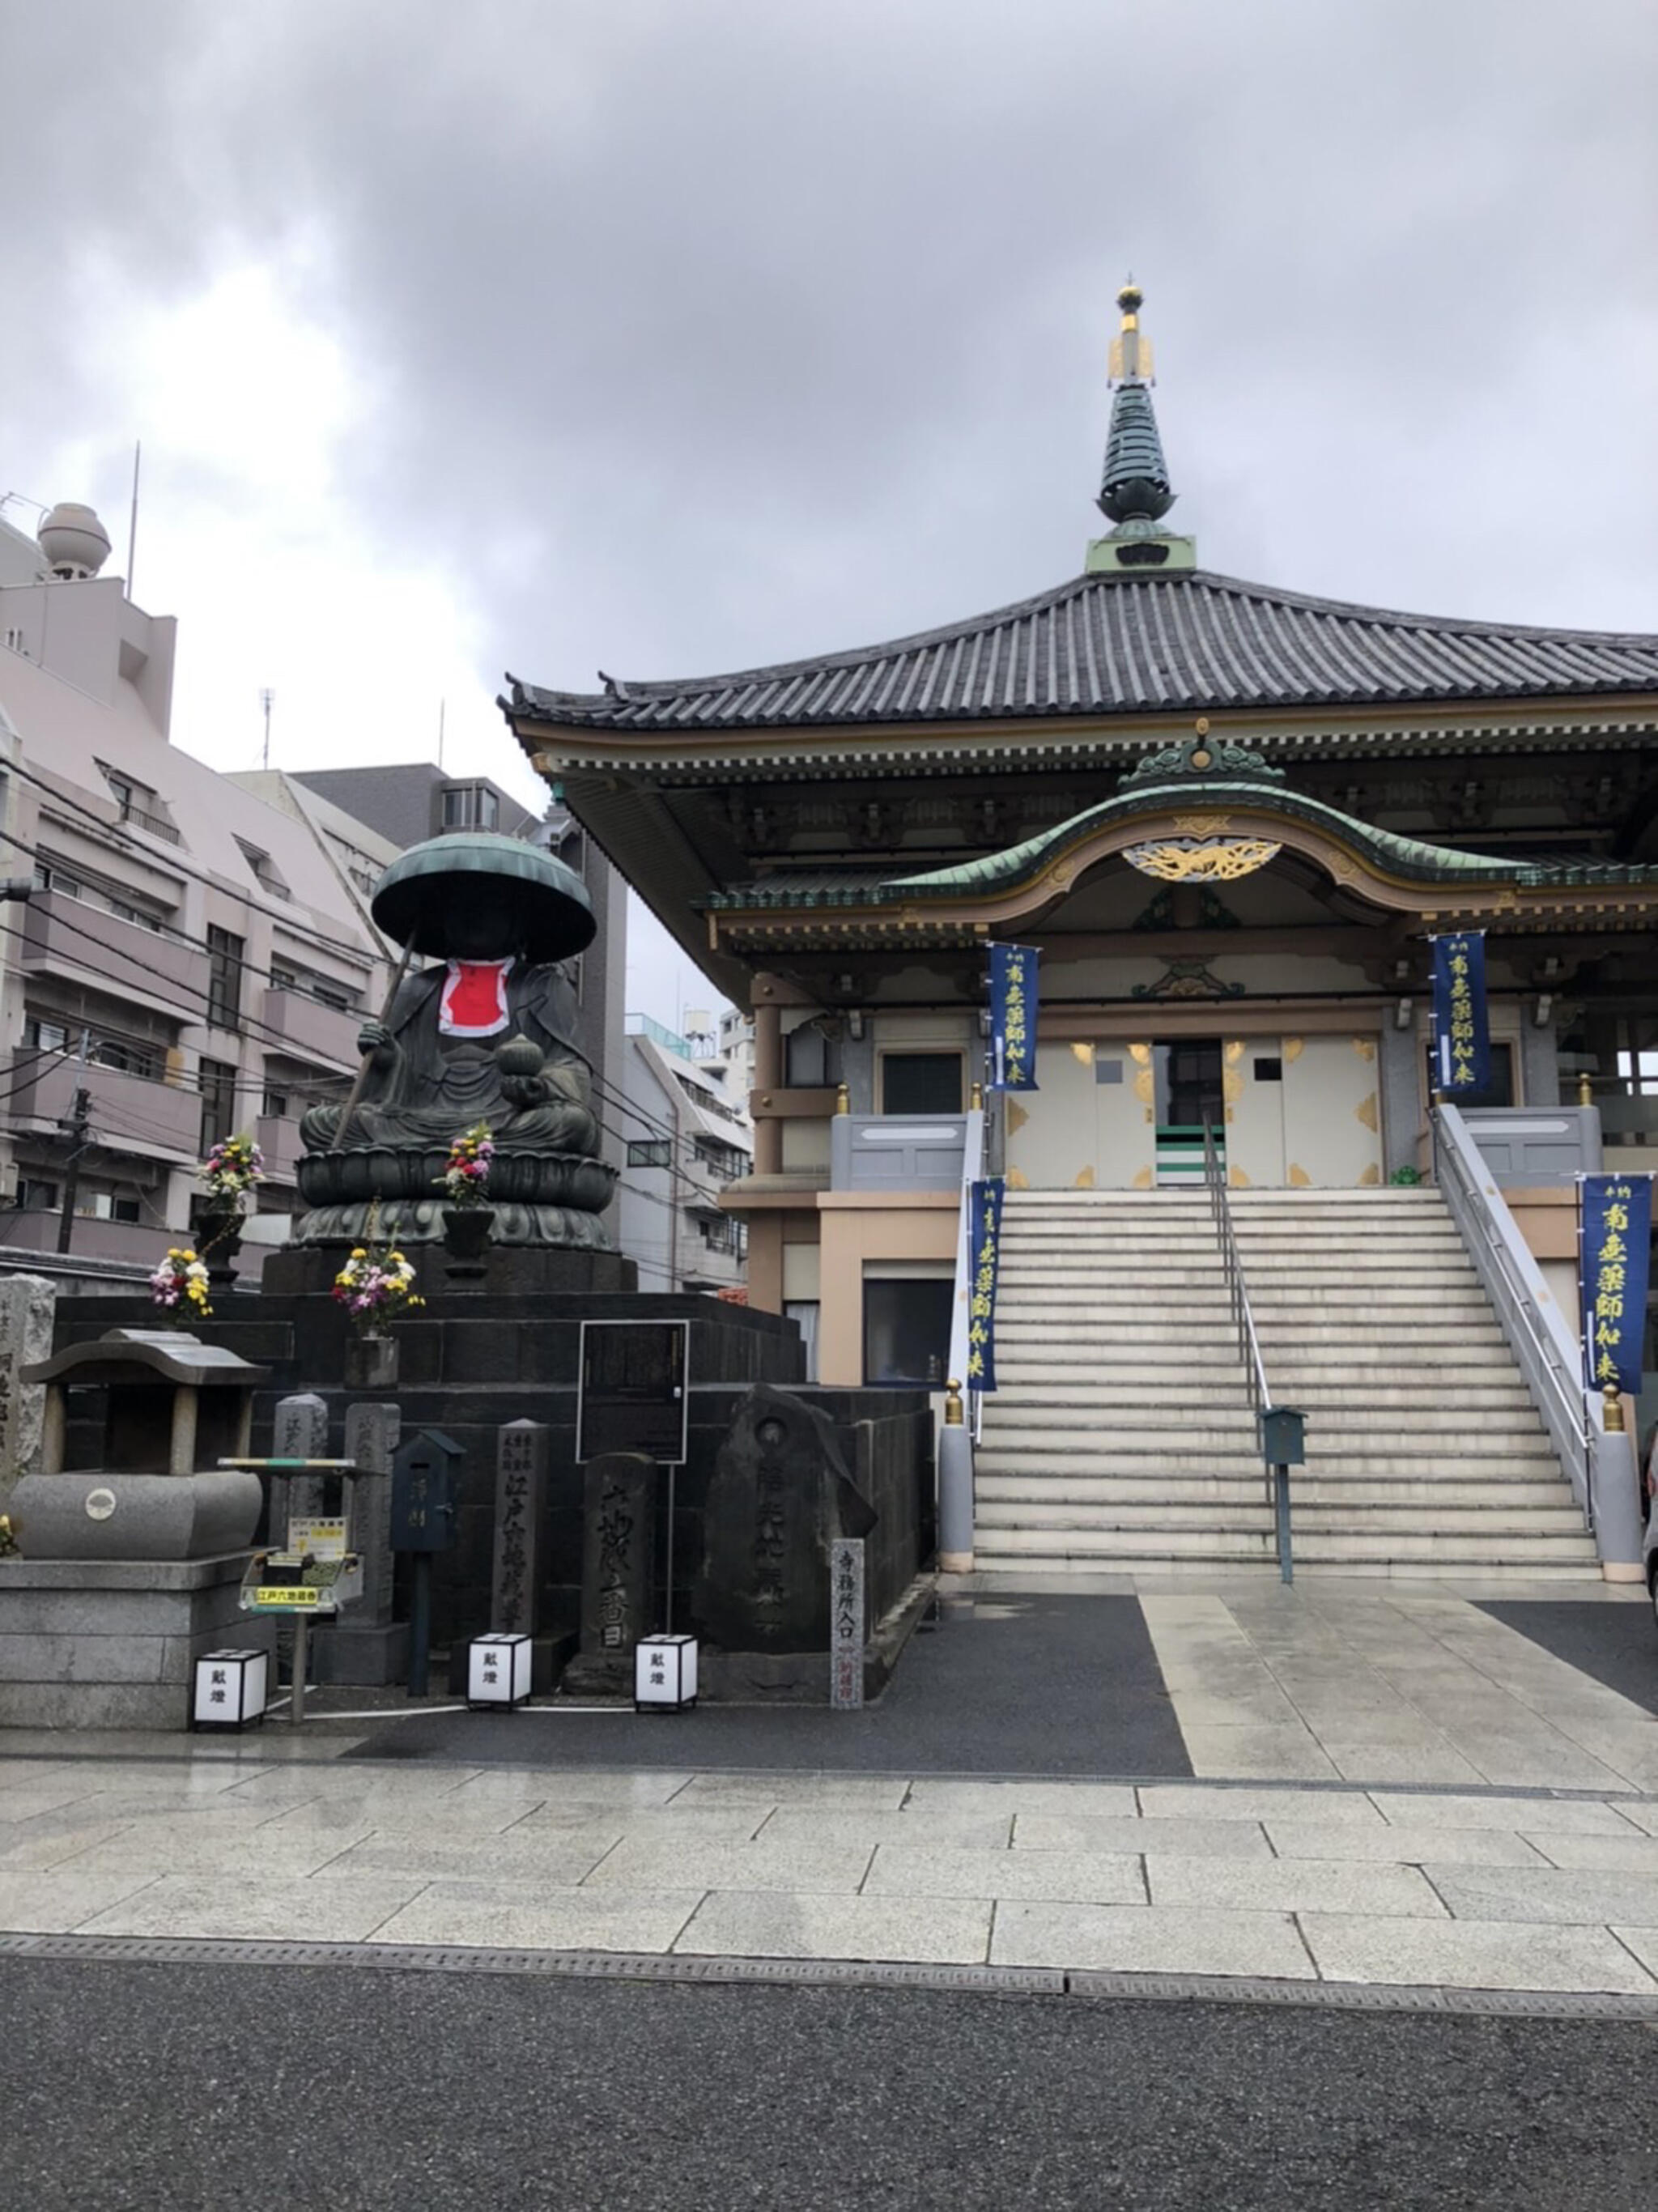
129, 1567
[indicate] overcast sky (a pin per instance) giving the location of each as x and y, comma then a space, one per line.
669, 336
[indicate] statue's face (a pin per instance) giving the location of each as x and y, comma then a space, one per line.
481, 923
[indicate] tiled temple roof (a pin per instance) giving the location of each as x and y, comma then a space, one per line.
1111, 644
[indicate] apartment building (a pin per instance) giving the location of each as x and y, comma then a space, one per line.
686, 1137
191, 959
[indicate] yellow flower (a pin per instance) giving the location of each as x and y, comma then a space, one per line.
358, 1253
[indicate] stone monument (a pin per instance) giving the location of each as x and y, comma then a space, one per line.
780, 1496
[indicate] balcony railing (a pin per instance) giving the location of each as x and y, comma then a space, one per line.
60, 932
130, 1113
90, 1239
896, 1151
309, 1028
278, 1139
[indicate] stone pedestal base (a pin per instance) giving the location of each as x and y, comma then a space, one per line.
109, 1644
368, 1658
508, 1271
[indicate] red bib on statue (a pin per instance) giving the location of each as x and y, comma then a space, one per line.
474, 1001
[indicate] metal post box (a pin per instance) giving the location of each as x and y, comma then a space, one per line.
1283, 1435
424, 1474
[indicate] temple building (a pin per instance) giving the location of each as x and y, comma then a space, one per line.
1229, 814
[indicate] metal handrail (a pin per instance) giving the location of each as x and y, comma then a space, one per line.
1549, 1356
1243, 1319
1270, 1422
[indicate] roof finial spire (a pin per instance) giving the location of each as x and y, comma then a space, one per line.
1135, 491
1131, 353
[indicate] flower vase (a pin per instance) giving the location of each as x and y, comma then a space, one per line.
371, 1362
218, 1239
466, 1231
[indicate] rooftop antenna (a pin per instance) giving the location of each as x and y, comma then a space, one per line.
132, 526
266, 695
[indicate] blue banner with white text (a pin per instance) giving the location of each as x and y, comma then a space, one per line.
1463, 1044
984, 1254
1617, 1234
1013, 1016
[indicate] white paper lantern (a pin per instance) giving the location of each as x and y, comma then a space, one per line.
665, 1673
498, 1670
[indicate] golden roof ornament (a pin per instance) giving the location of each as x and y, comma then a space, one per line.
1131, 351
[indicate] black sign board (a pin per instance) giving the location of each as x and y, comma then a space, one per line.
632, 1396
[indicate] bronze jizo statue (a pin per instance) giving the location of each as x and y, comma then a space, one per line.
485, 1034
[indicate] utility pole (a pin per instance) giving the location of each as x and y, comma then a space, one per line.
80, 1128
266, 697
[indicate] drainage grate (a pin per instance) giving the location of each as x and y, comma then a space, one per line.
810, 1974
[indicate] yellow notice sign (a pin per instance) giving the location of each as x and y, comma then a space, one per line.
294, 1595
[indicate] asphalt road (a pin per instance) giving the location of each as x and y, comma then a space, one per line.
213, 2088
1614, 1644
1052, 1685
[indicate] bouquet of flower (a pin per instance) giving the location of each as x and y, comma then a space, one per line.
231, 1168
179, 1285
374, 1286
465, 1177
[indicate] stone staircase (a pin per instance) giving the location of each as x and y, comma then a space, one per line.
1122, 1436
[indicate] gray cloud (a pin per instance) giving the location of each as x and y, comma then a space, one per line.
710, 331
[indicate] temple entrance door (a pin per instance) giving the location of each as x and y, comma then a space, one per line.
1188, 1090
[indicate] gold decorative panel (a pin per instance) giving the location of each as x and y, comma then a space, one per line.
1016, 1180
1299, 1178
1140, 1054
1017, 1116
1231, 1084
1365, 1048
1365, 1111
1293, 1047
1142, 1179
1235, 1049
1371, 1175
1083, 1053
1201, 859
1085, 1180
1237, 1178
1146, 1086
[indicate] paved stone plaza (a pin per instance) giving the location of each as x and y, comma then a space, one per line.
1507, 1839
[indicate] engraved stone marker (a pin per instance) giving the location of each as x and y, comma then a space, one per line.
846, 1623
371, 1439
618, 1555
520, 1496
299, 1430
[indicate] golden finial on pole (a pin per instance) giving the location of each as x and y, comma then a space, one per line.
1612, 1414
1131, 352
975, 1099
954, 1416
1585, 1090
842, 1099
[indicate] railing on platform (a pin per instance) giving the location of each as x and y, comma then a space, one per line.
1550, 1356
1274, 1424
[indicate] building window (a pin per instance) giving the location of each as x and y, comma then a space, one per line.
1498, 1092
275, 1105
655, 1152
36, 1196
42, 1035
218, 1088
224, 979
921, 1083
471, 807
127, 1059
907, 1329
